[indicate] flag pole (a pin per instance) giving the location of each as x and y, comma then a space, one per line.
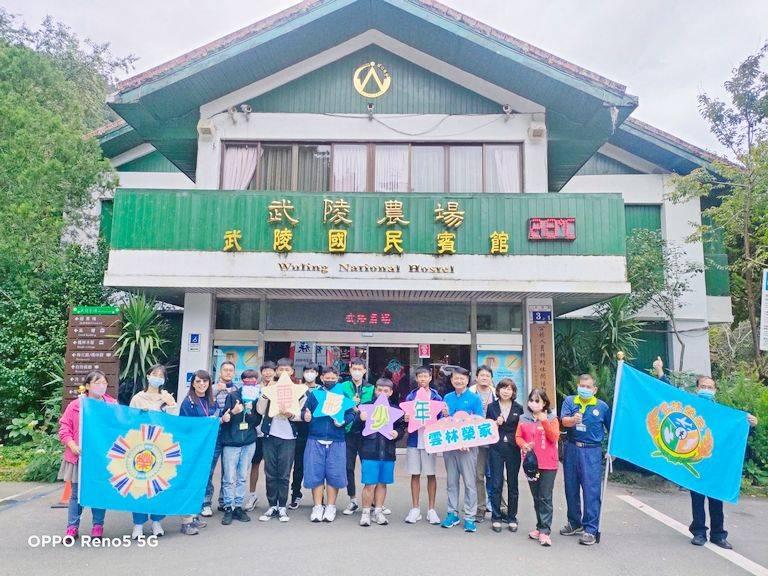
608, 461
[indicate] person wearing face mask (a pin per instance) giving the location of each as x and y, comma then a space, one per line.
155, 399
538, 432
705, 388
69, 434
266, 375
586, 420
358, 389
310, 379
483, 387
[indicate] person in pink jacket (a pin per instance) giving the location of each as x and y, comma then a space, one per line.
69, 434
538, 432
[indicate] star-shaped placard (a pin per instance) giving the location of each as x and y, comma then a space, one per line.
380, 416
284, 395
422, 410
331, 404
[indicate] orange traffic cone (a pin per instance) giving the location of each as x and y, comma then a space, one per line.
66, 494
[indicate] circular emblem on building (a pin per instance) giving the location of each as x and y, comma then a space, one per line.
143, 462
371, 80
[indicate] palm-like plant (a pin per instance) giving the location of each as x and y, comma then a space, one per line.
141, 340
616, 331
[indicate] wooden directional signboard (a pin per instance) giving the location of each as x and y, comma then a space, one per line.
91, 336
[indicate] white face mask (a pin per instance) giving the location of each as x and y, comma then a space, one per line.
155, 381
310, 376
357, 374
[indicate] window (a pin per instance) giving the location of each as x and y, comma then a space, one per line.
391, 168
314, 168
428, 169
373, 167
502, 169
499, 317
237, 314
275, 168
466, 168
350, 168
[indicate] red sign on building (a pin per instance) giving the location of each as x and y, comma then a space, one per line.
552, 229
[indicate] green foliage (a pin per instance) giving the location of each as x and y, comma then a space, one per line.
140, 344
88, 66
20, 429
744, 391
617, 331
13, 462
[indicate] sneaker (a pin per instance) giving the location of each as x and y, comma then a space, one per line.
699, 540
534, 534
138, 531
351, 507
199, 523
206, 511
496, 526
72, 532
227, 520
545, 540
97, 531
569, 530
380, 518
587, 539
294, 503
271, 512
432, 517
317, 514
512, 527
414, 515
451, 520
241, 515
221, 508
250, 502
723, 544
386, 511
189, 529
157, 529
469, 525
330, 513
365, 517
283, 513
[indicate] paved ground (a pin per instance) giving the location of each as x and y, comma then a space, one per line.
633, 543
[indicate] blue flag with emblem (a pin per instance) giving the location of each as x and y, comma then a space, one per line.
142, 461
691, 441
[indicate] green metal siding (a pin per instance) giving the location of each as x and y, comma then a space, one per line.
600, 165
142, 220
105, 224
715, 261
152, 162
413, 90
646, 216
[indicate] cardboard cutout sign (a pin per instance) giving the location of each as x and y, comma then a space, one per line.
284, 396
331, 404
380, 416
422, 410
460, 431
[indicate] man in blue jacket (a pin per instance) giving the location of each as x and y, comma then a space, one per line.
325, 457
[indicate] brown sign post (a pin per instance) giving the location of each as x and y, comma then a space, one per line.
91, 338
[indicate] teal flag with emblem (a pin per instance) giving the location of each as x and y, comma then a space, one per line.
691, 441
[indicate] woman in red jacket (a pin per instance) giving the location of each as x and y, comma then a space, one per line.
69, 434
538, 432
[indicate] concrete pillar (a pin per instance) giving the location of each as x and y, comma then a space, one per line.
196, 337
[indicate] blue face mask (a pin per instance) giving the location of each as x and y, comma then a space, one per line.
155, 381
585, 393
705, 393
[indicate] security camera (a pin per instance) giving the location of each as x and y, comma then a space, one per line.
246, 108
371, 106
507, 109
231, 111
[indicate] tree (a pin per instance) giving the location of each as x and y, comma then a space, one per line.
738, 191
90, 67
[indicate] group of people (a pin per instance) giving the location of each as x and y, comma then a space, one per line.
319, 453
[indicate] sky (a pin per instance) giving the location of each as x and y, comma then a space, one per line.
665, 52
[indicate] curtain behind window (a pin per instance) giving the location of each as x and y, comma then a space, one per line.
349, 167
466, 168
314, 168
239, 166
427, 169
391, 168
275, 170
502, 169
